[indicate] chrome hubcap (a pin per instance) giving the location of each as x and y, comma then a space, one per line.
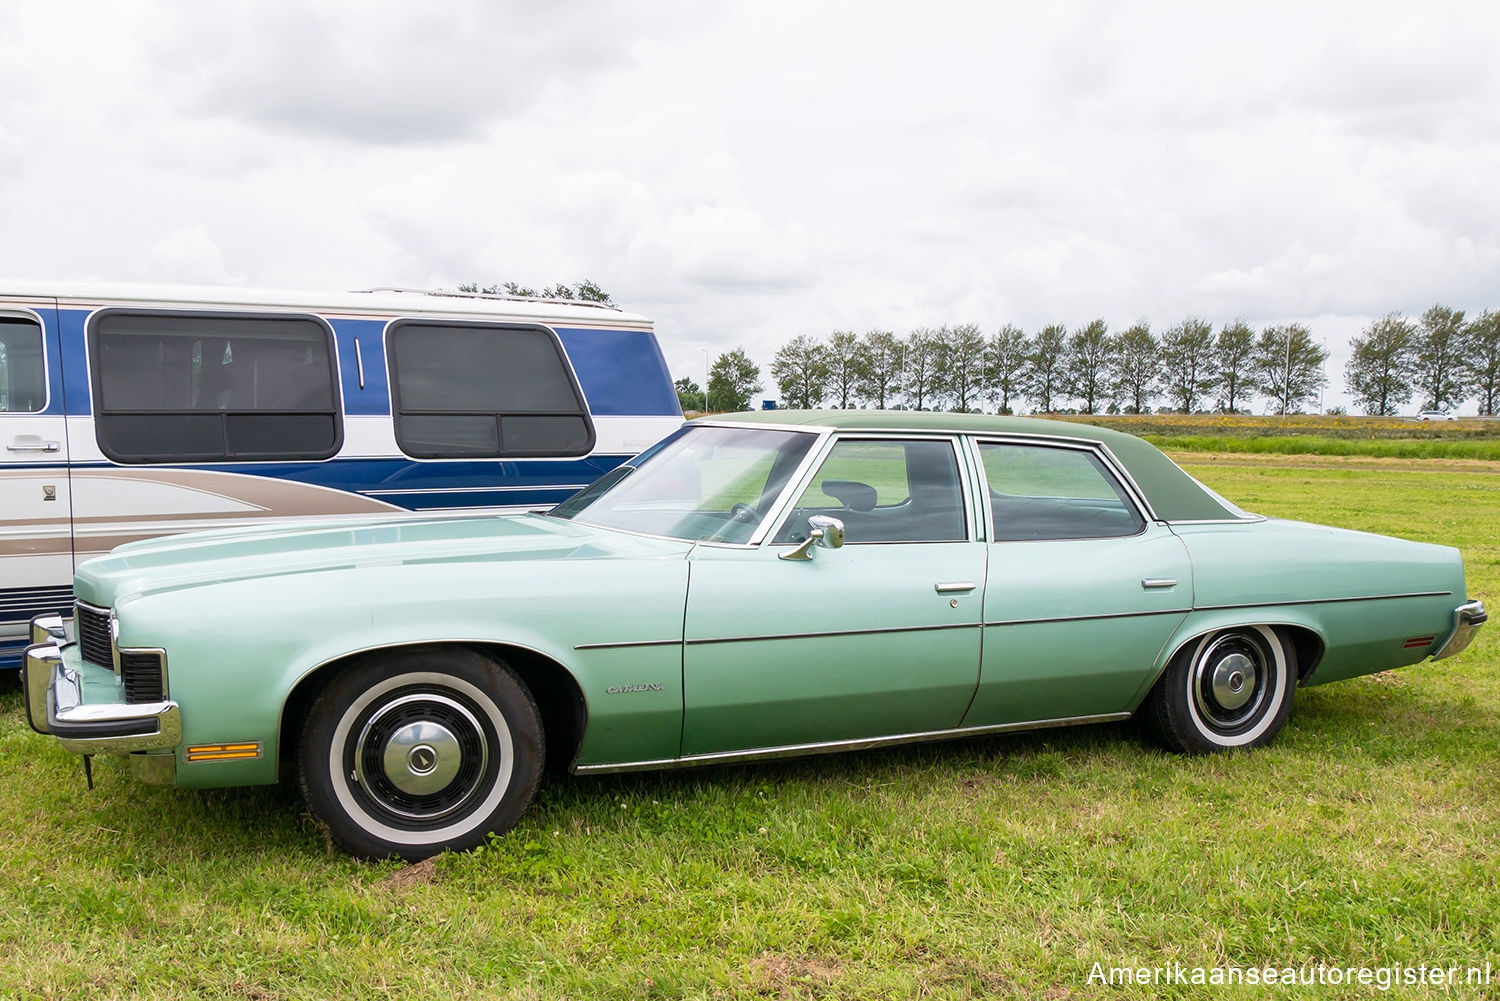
421, 756
1233, 681
1230, 682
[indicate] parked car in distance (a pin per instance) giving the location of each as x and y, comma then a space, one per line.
758, 585
1435, 415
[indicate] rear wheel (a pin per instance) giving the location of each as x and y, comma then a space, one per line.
1228, 689
413, 753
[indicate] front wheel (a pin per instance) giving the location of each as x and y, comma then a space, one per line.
1228, 689
413, 753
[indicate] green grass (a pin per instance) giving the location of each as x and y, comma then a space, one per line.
1368, 834
1307, 444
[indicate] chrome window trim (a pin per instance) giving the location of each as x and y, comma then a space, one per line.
834, 746
804, 478
28, 313
1112, 466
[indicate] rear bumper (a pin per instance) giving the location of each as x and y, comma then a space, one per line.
1467, 619
54, 697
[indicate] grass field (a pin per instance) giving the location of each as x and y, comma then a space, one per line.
1368, 835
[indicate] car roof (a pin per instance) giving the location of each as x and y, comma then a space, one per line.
1172, 493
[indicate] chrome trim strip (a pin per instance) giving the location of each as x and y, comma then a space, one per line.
1320, 601
625, 644
834, 746
1467, 619
359, 363
1088, 618
841, 632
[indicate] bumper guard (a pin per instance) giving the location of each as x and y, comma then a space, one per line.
1467, 619
54, 705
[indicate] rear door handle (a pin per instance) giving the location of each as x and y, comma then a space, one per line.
1154, 582
954, 587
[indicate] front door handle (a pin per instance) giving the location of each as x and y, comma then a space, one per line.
1154, 582
32, 443
954, 587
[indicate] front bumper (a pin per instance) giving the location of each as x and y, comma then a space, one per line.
54, 697
1467, 619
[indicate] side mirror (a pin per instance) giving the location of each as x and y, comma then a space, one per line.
825, 531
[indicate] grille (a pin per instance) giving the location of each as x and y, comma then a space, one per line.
141, 675
93, 636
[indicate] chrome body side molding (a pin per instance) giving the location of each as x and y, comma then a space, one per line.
836, 746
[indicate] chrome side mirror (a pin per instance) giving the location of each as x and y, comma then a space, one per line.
825, 531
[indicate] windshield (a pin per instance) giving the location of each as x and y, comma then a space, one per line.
708, 483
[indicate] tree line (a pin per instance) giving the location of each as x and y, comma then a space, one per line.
1440, 358
1189, 367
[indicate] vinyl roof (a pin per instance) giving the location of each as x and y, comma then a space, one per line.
1173, 494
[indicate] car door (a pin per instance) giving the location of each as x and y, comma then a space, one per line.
36, 548
1083, 588
876, 638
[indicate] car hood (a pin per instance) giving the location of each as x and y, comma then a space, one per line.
183, 561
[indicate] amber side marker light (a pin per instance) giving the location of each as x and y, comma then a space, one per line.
222, 752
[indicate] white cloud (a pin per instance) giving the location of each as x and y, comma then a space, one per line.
747, 172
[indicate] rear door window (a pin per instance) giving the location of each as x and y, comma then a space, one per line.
1042, 492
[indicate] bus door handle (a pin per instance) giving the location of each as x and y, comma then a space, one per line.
32, 443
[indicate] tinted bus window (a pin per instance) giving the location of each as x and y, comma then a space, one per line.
199, 387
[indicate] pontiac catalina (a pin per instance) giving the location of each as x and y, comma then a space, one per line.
753, 586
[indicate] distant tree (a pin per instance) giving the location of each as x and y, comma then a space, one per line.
1044, 366
1382, 366
586, 290
880, 379
921, 351
1288, 365
959, 372
689, 395
846, 365
1482, 348
732, 379
1005, 361
1136, 367
801, 371
1187, 352
1234, 376
1441, 375
1086, 364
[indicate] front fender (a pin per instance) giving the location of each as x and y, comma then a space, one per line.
232, 680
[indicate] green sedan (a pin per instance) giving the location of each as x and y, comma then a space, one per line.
754, 586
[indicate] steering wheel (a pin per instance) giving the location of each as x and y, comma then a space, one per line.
740, 513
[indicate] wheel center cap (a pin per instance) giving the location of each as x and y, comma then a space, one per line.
1233, 681
422, 758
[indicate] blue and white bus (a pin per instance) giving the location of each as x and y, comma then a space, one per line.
128, 412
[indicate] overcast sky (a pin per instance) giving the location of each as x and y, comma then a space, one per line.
745, 172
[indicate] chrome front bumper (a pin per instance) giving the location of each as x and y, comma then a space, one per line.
1467, 619
54, 705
